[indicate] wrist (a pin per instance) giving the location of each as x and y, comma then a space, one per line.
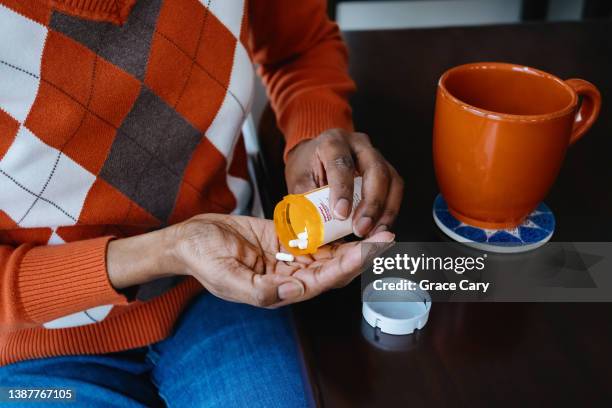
140, 259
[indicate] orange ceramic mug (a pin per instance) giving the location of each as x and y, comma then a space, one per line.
500, 136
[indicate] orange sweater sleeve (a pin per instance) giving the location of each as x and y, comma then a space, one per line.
304, 65
42, 283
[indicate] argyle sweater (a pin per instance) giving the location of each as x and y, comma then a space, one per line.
118, 117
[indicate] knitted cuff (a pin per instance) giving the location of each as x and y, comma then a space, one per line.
59, 280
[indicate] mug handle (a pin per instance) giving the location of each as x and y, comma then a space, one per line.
589, 109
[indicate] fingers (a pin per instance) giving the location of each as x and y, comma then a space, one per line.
375, 188
392, 204
335, 154
332, 159
343, 267
241, 284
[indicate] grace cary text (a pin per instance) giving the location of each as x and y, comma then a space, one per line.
466, 285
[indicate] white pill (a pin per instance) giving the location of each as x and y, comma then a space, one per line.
303, 243
281, 256
294, 243
303, 235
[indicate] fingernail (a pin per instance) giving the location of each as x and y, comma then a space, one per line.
290, 290
341, 210
387, 236
362, 227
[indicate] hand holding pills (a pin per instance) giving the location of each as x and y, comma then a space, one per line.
240, 259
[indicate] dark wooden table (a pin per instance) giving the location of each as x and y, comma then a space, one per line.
478, 354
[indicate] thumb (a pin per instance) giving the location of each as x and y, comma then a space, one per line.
350, 259
346, 263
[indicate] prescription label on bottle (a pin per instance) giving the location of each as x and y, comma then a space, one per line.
334, 229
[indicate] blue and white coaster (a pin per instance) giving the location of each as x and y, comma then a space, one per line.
535, 231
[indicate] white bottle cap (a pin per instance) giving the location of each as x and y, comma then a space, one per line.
396, 311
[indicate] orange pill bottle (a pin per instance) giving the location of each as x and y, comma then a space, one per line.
311, 212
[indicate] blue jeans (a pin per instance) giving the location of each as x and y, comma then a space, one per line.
221, 355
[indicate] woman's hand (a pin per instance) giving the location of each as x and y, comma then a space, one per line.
334, 158
234, 258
